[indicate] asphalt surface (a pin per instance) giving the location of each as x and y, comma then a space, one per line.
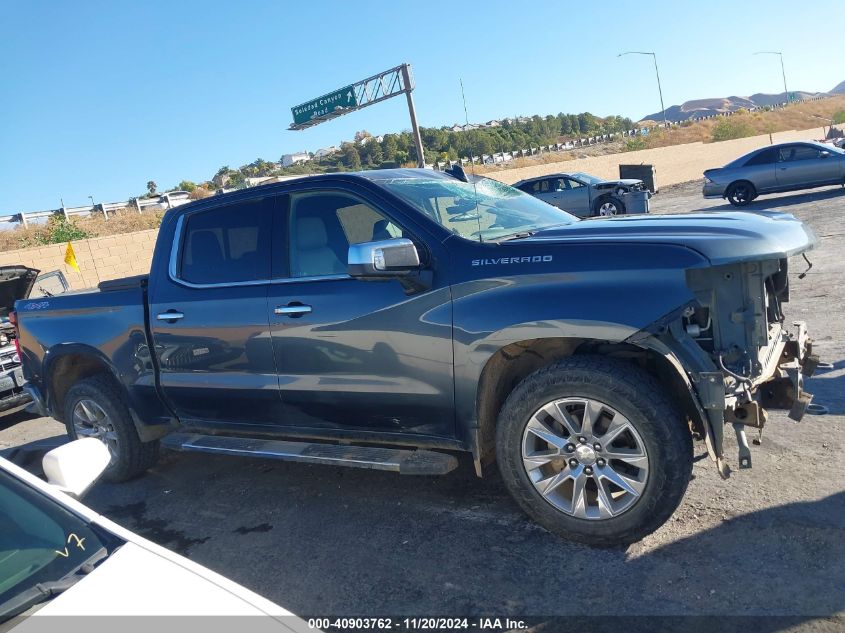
323, 540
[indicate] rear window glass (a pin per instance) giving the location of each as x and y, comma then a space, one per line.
227, 244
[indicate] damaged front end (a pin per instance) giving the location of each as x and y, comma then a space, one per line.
736, 351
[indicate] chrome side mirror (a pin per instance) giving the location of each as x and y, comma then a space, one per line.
384, 258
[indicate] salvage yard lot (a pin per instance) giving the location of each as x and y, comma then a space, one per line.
321, 540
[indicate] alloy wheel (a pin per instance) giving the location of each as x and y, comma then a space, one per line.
585, 458
91, 420
607, 209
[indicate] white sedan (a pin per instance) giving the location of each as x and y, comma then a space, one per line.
59, 557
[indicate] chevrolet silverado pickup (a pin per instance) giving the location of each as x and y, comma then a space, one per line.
392, 318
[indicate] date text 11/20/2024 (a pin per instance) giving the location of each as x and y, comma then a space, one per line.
415, 624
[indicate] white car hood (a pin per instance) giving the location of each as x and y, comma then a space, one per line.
136, 581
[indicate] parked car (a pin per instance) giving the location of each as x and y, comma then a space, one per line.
59, 557
776, 168
581, 194
388, 318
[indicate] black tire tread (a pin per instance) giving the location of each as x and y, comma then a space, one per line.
732, 186
625, 381
135, 456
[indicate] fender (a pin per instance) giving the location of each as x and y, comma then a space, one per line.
587, 292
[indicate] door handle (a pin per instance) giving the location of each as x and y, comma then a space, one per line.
292, 310
172, 315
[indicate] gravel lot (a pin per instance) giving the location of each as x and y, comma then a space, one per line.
321, 540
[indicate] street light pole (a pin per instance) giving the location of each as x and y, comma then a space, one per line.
656, 72
782, 71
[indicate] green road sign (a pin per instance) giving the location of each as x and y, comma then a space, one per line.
321, 106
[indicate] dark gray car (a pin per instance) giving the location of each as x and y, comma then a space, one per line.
581, 194
782, 167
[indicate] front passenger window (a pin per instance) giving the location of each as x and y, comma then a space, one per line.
324, 224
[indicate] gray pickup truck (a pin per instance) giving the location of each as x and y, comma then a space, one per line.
388, 319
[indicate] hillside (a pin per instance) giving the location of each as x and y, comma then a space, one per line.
839, 90
707, 107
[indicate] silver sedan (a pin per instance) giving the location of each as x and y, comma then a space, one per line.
782, 167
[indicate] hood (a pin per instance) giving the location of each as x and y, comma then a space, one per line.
721, 237
135, 581
628, 182
15, 283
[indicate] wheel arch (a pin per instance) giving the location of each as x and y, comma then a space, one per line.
512, 363
67, 365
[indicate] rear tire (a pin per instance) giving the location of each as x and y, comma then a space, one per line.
94, 408
621, 396
741, 193
608, 206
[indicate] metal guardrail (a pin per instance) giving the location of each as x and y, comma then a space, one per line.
106, 208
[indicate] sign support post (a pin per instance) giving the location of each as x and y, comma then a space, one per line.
361, 94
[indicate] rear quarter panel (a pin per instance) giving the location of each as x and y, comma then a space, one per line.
109, 326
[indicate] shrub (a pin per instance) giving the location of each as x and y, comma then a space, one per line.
59, 230
728, 129
839, 117
633, 144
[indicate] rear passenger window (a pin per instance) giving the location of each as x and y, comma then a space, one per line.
763, 158
227, 244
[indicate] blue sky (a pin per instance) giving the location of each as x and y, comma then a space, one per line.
97, 98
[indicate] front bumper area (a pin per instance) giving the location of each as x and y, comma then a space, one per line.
780, 387
720, 396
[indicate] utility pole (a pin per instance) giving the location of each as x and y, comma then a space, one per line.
782, 71
657, 73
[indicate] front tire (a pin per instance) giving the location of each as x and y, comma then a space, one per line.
741, 193
95, 408
591, 449
609, 206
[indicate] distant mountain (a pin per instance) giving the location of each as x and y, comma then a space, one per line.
708, 107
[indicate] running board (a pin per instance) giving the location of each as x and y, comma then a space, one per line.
404, 462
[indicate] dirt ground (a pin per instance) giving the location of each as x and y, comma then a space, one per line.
769, 541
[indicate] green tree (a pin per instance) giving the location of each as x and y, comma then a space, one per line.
389, 147
236, 179
187, 185
351, 157
376, 155
151, 187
